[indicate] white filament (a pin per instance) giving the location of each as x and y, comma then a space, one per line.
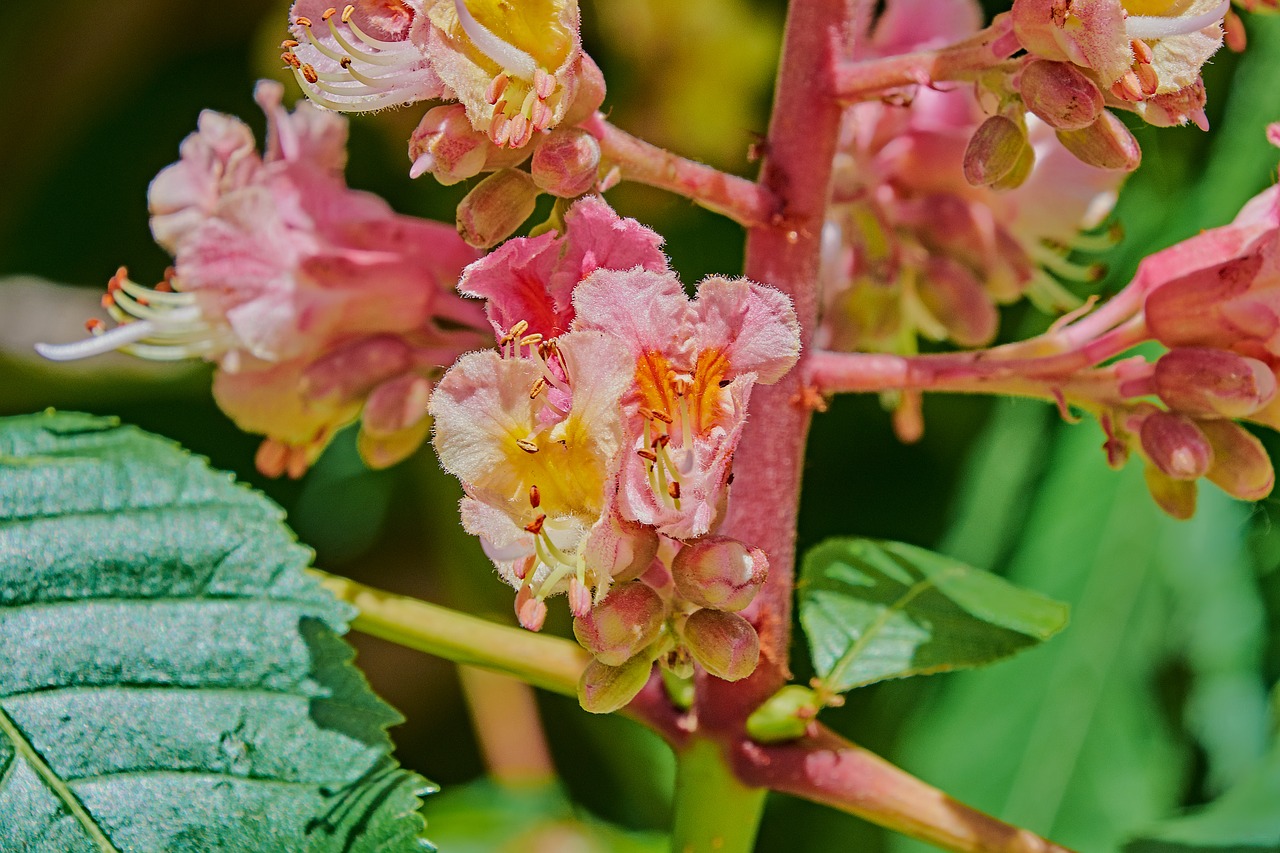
1158, 27
512, 59
98, 344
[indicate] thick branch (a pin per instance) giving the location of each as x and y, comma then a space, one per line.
743, 201
828, 769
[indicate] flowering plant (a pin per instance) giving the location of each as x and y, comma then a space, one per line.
937, 199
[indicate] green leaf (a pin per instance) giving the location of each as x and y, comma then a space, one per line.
170, 678
1074, 740
1246, 819
876, 610
487, 817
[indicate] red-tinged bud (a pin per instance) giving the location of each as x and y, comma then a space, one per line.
953, 295
1176, 497
1241, 467
1176, 446
629, 619
994, 151
1213, 383
566, 163
719, 572
446, 145
1106, 143
1210, 307
725, 644
604, 689
394, 422
1060, 94
620, 549
496, 207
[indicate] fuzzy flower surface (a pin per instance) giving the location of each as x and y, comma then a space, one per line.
317, 302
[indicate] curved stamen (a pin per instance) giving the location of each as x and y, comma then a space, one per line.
510, 58
98, 344
1158, 27
378, 44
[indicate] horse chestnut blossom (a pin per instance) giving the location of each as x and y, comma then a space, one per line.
1147, 54
921, 237
316, 301
516, 70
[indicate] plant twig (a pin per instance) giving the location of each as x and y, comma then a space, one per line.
830, 770
743, 201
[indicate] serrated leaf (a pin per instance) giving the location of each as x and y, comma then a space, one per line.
488, 817
1246, 819
170, 678
874, 610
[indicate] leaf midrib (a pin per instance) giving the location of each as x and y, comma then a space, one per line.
918, 588
56, 785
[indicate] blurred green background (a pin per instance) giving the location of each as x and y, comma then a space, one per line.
1156, 698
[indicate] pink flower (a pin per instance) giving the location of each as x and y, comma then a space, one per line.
693, 366
288, 279
534, 434
532, 279
517, 70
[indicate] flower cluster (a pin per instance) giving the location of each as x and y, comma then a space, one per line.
318, 303
596, 443
515, 72
1142, 55
1214, 301
940, 211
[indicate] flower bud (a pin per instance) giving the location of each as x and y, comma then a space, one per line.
786, 715
445, 144
1213, 383
1060, 94
566, 163
1175, 445
604, 689
957, 300
1106, 143
629, 619
620, 549
725, 644
1176, 497
394, 422
1241, 467
1213, 306
496, 207
531, 612
719, 572
994, 151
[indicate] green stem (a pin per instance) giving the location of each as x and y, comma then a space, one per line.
715, 813
548, 662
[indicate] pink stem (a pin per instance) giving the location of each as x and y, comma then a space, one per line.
743, 201
872, 78
981, 371
830, 770
783, 253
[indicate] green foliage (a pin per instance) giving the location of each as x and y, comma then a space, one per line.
171, 678
1244, 820
1086, 740
488, 817
875, 610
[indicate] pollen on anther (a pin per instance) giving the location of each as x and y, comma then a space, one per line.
328, 13
302, 22
292, 60
526, 445
345, 62
535, 497
309, 74
538, 387
347, 12
647, 454
93, 325
108, 300
288, 44
535, 526
673, 489
659, 415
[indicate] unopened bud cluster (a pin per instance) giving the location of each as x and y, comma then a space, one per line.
680, 611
